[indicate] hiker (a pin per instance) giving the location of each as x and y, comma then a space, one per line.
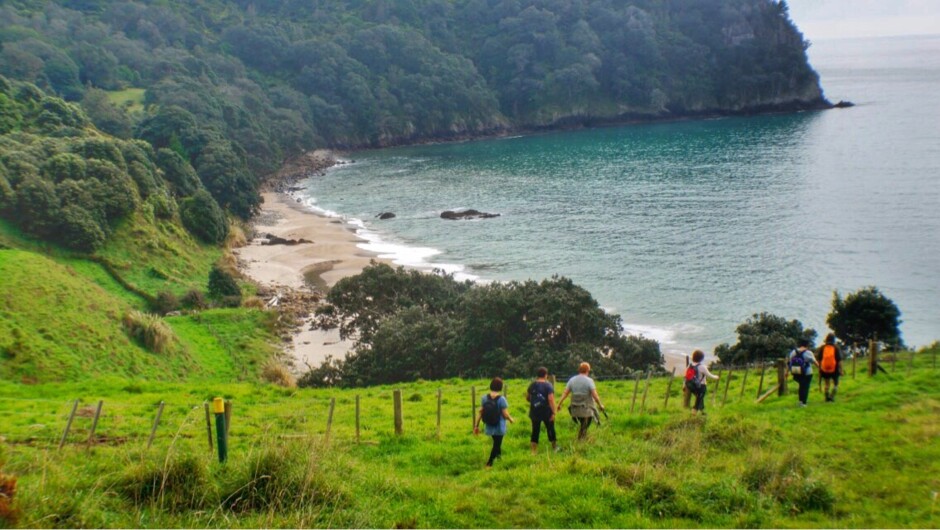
830, 365
696, 380
582, 391
801, 361
541, 398
494, 412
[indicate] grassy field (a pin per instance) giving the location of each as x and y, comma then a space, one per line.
130, 99
871, 459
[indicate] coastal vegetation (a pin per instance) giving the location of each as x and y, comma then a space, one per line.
236, 87
409, 325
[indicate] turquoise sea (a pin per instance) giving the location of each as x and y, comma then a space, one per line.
687, 228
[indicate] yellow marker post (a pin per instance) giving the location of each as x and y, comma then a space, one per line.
218, 408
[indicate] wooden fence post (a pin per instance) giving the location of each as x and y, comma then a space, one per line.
718, 387
636, 388
439, 393
94, 423
357, 418
553, 381
398, 417
872, 358
744, 382
646, 389
724, 398
781, 377
68, 425
218, 408
208, 424
854, 362
473, 406
329, 418
156, 423
669, 388
228, 418
760, 386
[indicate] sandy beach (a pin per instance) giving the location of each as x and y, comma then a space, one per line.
331, 254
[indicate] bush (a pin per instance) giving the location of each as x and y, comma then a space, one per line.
865, 315
165, 302
764, 336
194, 300
222, 284
277, 373
79, 230
150, 331
202, 216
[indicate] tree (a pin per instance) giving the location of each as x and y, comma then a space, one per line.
222, 284
865, 315
105, 115
203, 218
764, 336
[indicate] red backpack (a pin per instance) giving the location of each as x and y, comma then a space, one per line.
691, 379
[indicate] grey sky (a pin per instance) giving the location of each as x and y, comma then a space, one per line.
833, 19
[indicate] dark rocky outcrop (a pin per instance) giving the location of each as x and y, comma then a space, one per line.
386, 215
467, 214
277, 240
842, 104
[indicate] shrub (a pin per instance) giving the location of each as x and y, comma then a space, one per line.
9, 514
202, 216
150, 331
865, 315
79, 230
222, 283
277, 373
764, 336
165, 302
164, 207
194, 300
178, 172
787, 482
64, 166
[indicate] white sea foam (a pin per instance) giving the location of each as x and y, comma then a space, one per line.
400, 254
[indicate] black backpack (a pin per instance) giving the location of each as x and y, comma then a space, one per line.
491, 412
692, 381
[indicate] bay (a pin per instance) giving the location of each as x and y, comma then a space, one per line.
687, 228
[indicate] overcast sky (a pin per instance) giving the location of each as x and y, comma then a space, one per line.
836, 19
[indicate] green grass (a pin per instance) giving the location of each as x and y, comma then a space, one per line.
871, 459
130, 99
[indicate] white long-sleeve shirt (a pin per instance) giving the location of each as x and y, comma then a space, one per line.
704, 374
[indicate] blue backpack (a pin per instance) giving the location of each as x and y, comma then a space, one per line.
797, 363
537, 400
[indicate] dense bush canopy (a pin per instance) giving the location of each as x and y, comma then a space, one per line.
408, 325
762, 337
865, 315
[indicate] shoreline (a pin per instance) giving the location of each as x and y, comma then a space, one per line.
330, 253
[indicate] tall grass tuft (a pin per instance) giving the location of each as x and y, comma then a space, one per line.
788, 482
176, 485
150, 331
277, 373
279, 479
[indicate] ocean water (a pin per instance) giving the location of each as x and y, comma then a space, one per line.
687, 228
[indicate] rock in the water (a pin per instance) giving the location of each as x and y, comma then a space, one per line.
386, 215
467, 214
842, 104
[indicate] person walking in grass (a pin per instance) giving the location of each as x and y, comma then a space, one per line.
494, 413
801, 361
541, 398
583, 394
698, 382
830, 365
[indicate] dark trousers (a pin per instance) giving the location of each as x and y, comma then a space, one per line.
537, 428
805, 382
585, 423
700, 399
497, 448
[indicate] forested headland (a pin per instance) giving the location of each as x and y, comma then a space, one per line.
235, 87
132, 134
